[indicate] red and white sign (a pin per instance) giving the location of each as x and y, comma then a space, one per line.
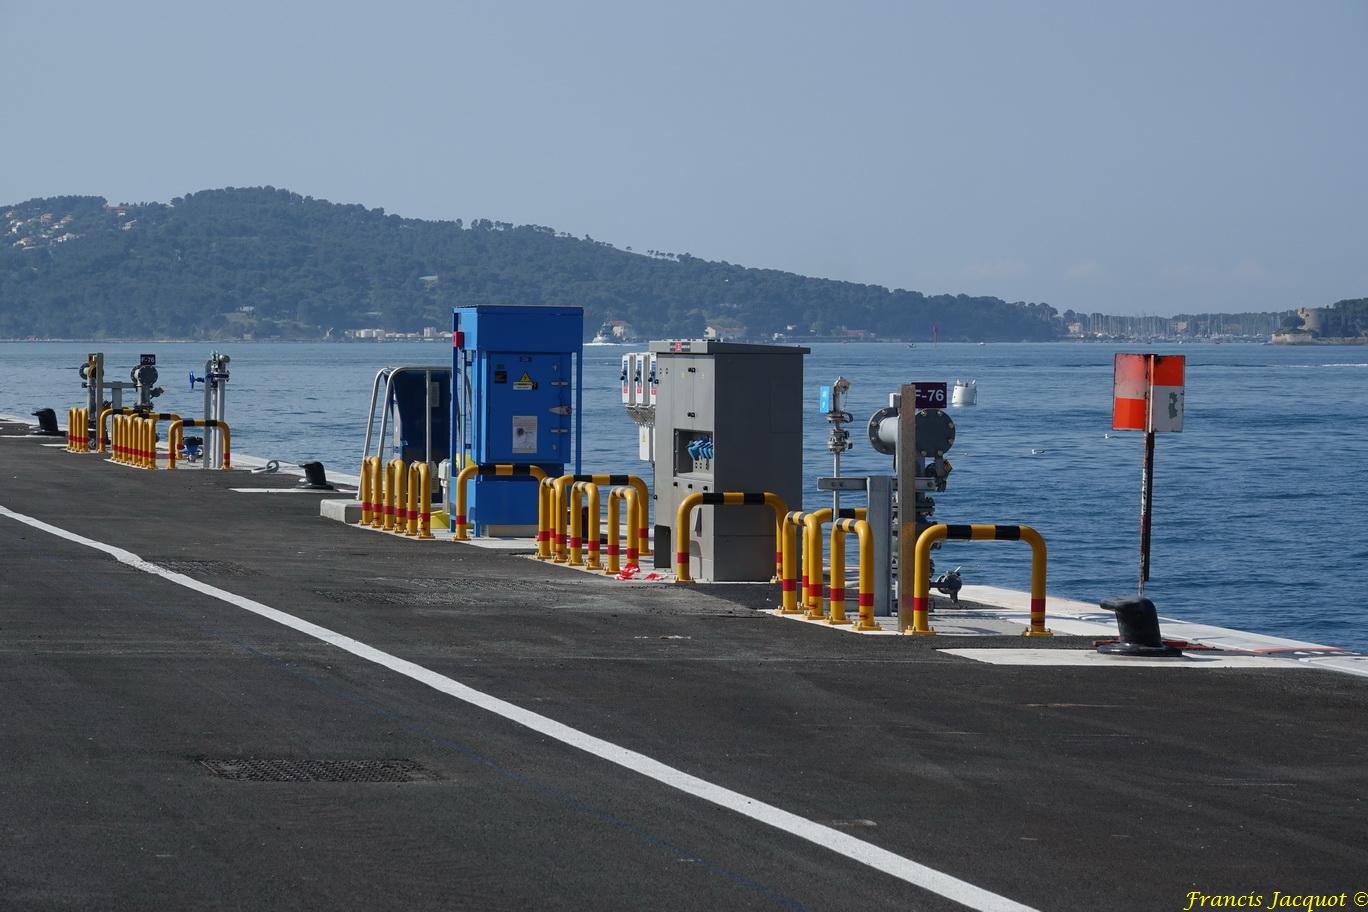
1147, 393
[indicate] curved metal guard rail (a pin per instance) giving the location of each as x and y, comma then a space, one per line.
105, 414
420, 500
369, 496
78, 430
921, 570
810, 585
396, 475
615, 497
578, 536
175, 438
470, 472
720, 499
865, 538
556, 528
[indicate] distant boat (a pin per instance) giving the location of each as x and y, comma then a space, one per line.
964, 393
604, 336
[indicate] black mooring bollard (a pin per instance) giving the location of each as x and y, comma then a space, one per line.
47, 423
315, 476
1137, 623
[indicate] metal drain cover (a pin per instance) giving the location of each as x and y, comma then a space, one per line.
265, 769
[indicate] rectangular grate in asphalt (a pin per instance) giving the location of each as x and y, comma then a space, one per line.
267, 769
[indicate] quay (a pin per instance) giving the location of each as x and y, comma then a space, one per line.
219, 700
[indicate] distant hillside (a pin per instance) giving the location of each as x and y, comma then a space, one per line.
268, 263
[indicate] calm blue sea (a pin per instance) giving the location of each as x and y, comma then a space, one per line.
1260, 505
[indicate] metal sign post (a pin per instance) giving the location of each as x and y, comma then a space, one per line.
1147, 395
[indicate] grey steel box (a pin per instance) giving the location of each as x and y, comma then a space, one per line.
748, 399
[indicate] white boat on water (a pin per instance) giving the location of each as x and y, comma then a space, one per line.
964, 393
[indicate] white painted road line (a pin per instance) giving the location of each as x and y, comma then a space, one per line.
826, 837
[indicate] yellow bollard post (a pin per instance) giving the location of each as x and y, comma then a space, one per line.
174, 435
398, 499
1038, 561
365, 492
634, 524
576, 556
387, 499
412, 512
921, 581
227, 445
614, 499
836, 609
681, 536
559, 504
788, 597
425, 500
592, 533
865, 535
379, 480
462, 523
102, 435
149, 442
545, 496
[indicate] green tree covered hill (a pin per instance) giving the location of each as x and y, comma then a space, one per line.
270, 263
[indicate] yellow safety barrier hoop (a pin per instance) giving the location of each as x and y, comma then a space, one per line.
558, 503
175, 438
419, 504
615, 497
727, 498
578, 537
104, 440
378, 477
485, 471
809, 585
921, 572
865, 538
78, 430
367, 491
395, 505
546, 498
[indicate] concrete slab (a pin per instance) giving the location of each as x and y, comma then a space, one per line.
1091, 658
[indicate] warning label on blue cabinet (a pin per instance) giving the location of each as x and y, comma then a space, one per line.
524, 433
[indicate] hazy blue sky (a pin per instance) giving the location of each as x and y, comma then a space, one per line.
1154, 157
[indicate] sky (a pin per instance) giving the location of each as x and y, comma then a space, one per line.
1157, 157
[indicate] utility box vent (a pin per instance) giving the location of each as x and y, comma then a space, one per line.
263, 769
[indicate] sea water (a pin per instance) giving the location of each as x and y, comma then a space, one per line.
1260, 505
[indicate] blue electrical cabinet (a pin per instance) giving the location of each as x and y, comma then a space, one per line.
517, 390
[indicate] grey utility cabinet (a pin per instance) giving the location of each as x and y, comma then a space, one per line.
729, 417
